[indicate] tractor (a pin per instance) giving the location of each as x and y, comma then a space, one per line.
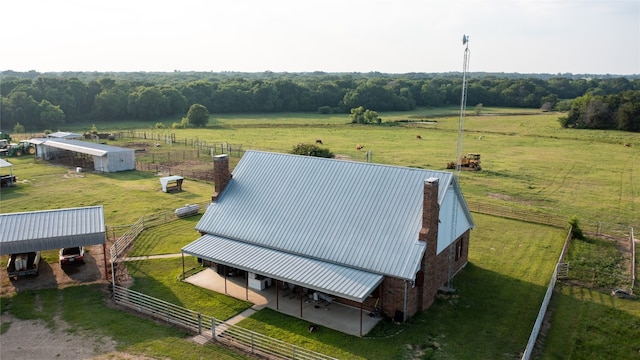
22, 148
469, 162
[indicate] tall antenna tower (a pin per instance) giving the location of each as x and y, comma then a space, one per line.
463, 101
463, 108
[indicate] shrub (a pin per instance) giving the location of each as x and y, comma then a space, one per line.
311, 150
577, 231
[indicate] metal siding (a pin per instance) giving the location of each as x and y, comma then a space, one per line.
330, 278
366, 216
51, 229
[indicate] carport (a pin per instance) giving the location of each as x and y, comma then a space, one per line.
53, 229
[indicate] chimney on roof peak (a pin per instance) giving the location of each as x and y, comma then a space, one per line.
430, 209
221, 174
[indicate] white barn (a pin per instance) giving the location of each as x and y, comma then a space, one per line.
106, 158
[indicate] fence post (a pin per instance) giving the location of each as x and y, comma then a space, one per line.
213, 328
199, 324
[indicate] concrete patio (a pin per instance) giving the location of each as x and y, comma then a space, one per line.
343, 318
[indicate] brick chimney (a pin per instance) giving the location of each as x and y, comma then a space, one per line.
429, 234
221, 174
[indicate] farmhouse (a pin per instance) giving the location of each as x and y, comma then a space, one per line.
103, 158
376, 237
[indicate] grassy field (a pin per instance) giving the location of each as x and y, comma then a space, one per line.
529, 163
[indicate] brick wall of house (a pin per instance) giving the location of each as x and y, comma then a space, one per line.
221, 174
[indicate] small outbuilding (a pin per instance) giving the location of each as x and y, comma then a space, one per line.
6, 179
171, 183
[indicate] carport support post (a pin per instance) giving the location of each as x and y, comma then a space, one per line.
246, 286
277, 295
104, 257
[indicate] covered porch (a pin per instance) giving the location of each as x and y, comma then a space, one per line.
293, 301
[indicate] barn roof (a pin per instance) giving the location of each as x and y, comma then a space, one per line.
51, 229
83, 147
359, 215
64, 135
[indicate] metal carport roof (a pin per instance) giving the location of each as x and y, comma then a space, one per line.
342, 281
51, 229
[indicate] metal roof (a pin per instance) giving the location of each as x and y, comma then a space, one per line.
51, 229
5, 163
360, 215
84, 147
64, 135
329, 278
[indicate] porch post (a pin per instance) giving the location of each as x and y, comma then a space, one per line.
182, 265
277, 295
361, 318
246, 286
225, 278
300, 301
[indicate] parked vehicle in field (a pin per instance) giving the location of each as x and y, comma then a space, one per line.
72, 256
23, 264
22, 148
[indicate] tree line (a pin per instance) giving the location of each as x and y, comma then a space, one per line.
50, 100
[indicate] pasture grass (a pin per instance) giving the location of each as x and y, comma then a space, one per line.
590, 324
529, 161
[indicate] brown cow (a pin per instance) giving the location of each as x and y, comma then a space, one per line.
418, 137
319, 141
359, 147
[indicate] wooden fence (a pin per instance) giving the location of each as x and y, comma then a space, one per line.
210, 327
555, 220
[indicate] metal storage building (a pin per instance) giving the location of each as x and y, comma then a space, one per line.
106, 158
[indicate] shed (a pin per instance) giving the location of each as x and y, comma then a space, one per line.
7, 179
171, 183
106, 158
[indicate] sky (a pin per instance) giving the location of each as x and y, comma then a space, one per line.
387, 36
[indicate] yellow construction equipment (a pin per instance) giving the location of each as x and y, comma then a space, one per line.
469, 162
